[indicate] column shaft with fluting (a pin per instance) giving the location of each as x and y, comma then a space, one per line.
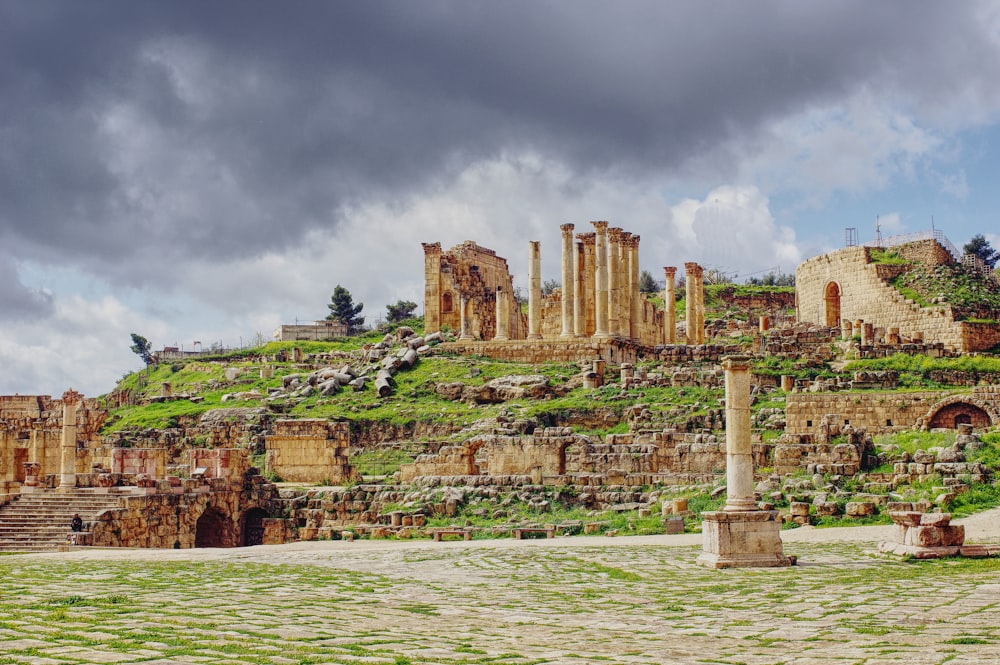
601, 279
567, 280
694, 305
503, 316
614, 281
669, 306
589, 282
739, 460
579, 291
67, 466
635, 297
534, 290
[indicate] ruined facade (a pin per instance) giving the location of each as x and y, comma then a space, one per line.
846, 288
599, 297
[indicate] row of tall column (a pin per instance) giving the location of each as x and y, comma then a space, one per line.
600, 288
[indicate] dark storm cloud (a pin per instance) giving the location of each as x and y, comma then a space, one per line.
18, 302
136, 136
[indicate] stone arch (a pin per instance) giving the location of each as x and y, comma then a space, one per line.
253, 526
214, 529
831, 299
952, 411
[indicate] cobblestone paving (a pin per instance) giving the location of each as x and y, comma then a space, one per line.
563, 601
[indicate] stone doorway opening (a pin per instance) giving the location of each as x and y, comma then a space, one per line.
253, 527
952, 415
831, 296
213, 529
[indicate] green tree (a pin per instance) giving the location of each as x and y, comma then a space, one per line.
343, 310
980, 246
142, 348
646, 283
402, 310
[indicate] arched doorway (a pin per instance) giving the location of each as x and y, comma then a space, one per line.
253, 527
213, 529
950, 416
831, 297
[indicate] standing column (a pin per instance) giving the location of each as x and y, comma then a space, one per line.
635, 298
579, 292
625, 285
464, 314
614, 281
432, 286
669, 306
67, 466
503, 316
534, 290
567, 280
601, 279
589, 282
739, 462
694, 306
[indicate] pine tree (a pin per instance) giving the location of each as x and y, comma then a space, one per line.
980, 246
343, 310
402, 310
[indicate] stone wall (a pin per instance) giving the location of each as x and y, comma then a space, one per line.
817, 413
846, 285
215, 517
31, 431
310, 450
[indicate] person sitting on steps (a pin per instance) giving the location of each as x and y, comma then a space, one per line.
76, 524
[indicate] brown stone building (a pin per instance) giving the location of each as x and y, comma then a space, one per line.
847, 289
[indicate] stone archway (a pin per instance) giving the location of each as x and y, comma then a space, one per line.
253, 527
831, 296
957, 410
214, 529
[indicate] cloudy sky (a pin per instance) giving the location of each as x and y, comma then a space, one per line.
207, 171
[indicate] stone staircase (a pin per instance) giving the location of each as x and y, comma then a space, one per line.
40, 521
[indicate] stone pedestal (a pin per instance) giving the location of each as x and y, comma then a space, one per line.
747, 539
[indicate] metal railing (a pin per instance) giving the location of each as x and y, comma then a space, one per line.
906, 238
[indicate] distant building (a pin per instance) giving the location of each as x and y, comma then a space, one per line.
315, 331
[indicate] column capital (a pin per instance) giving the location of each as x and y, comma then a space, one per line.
736, 363
587, 238
693, 269
567, 229
600, 227
615, 234
71, 398
669, 271
431, 247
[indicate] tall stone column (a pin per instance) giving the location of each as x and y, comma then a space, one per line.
589, 282
740, 535
601, 279
579, 291
694, 307
635, 297
567, 280
739, 462
464, 317
432, 286
503, 316
67, 467
625, 285
534, 290
669, 306
614, 281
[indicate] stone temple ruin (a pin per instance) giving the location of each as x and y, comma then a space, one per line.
194, 484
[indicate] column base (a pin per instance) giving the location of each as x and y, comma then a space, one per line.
748, 539
534, 336
66, 482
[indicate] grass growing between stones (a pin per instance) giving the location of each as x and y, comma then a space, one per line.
463, 605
